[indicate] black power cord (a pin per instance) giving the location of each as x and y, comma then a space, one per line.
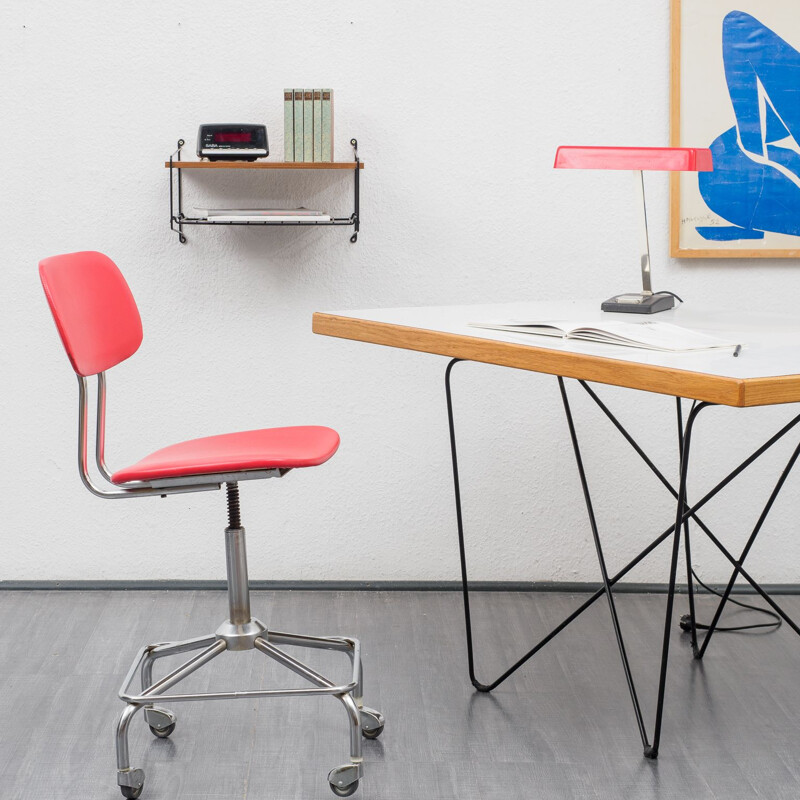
686, 619
672, 294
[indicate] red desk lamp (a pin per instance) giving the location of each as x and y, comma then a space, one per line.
638, 159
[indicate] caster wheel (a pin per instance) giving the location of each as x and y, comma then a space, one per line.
374, 733
161, 721
131, 783
162, 733
344, 780
372, 723
342, 791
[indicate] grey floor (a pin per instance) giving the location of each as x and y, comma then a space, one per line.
560, 728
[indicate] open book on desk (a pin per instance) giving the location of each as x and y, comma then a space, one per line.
648, 335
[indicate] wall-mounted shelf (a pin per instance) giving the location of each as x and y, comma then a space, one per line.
264, 164
176, 166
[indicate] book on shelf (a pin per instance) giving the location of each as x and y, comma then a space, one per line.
288, 125
326, 153
308, 125
647, 335
317, 124
298, 124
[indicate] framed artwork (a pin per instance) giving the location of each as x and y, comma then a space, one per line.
736, 90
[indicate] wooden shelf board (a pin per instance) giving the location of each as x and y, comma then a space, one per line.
265, 164
204, 221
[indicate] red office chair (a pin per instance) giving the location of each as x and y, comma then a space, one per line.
99, 324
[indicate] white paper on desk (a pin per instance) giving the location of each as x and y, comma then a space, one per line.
647, 334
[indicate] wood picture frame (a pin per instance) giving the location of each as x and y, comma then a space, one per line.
732, 65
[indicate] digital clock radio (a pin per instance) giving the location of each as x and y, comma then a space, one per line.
232, 142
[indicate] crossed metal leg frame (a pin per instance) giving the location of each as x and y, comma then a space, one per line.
679, 529
242, 632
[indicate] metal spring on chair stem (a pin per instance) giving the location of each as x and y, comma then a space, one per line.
234, 520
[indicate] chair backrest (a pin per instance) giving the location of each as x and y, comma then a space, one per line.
93, 309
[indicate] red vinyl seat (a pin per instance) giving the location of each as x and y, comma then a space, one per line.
271, 448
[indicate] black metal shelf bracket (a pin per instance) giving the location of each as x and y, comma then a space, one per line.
357, 171
177, 219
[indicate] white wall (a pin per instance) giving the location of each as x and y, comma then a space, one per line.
458, 108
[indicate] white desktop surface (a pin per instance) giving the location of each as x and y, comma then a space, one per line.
770, 342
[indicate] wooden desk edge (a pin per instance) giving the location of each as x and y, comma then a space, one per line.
662, 380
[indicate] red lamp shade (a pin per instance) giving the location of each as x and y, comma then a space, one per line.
664, 159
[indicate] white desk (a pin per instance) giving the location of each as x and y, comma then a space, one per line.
765, 373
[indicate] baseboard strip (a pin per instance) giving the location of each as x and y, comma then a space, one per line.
567, 587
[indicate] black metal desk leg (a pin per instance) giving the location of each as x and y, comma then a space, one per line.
460, 523
751, 539
603, 570
686, 538
680, 514
488, 687
683, 513
691, 512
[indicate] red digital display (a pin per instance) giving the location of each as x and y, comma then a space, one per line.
225, 138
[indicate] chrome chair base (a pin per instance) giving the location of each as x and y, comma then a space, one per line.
362, 721
242, 632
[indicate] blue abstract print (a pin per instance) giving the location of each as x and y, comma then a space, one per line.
755, 184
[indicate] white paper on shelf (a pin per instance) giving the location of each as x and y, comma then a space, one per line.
270, 218
207, 213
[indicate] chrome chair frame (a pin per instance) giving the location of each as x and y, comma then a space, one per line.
240, 631
154, 488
